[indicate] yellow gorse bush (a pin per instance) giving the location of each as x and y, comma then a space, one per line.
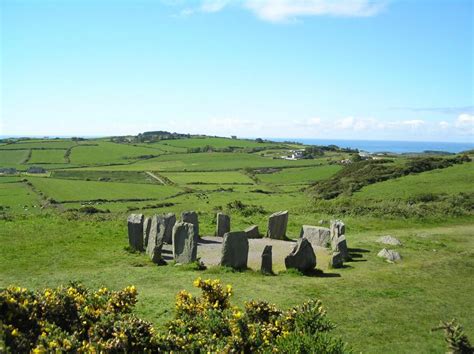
77, 319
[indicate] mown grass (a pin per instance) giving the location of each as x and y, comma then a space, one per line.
13, 158
47, 157
112, 176
378, 307
17, 197
222, 177
305, 175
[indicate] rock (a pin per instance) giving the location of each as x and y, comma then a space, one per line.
155, 239
339, 244
318, 236
390, 255
169, 220
185, 240
337, 228
266, 267
389, 240
252, 232
135, 232
192, 218
223, 224
302, 257
277, 224
146, 231
336, 260
235, 250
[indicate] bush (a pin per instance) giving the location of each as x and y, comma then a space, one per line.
75, 319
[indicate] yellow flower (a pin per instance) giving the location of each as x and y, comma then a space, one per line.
238, 315
15, 332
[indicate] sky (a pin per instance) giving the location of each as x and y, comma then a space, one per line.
329, 69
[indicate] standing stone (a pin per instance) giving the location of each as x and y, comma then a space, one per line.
252, 232
337, 228
336, 260
389, 255
339, 244
185, 240
146, 231
223, 224
302, 257
169, 220
135, 231
235, 250
266, 267
192, 218
155, 240
318, 236
277, 224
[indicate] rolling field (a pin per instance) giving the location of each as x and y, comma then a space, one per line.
377, 306
40, 144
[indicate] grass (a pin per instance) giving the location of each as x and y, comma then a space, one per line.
39, 144
451, 180
67, 190
304, 175
209, 177
216, 143
13, 158
112, 176
47, 157
17, 198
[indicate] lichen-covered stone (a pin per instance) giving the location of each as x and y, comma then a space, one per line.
302, 257
318, 236
235, 250
169, 220
389, 255
277, 224
339, 244
155, 239
135, 232
185, 240
222, 224
252, 232
192, 218
146, 231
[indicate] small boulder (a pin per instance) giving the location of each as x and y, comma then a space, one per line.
389, 255
389, 240
277, 224
185, 240
318, 236
223, 224
266, 267
302, 257
252, 232
135, 232
235, 250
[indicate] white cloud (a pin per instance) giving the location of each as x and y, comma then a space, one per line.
284, 10
414, 123
213, 5
444, 125
465, 121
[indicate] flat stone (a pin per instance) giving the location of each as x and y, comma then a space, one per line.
389, 255
336, 260
146, 231
185, 240
302, 257
169, 220
266, 267
192, 218
223, 224
235, 250
252, 232
135, 232
277, 224
155, 240
318, 236
389, 240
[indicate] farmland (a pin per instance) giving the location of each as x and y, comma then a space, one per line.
47, 239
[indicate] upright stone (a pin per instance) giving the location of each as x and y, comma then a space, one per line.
169, 220
339, 244
235, 250
318, 236
266, 267
277, 224
252, 232
155, 240
337, 228
223, 224
135, 231
336, 260
192, 218
185, 240
302, 257
146, 231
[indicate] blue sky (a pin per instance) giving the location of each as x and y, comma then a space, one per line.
346, 69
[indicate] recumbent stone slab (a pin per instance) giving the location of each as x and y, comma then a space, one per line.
277, 223
135, 231
235, 250
318, 236
185, 240
302, 257
223, 224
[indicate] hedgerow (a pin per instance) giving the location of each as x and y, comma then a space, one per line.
74, 318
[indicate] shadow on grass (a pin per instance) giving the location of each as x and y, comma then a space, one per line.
358, 250
314, 273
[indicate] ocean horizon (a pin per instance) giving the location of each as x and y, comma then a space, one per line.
393, 146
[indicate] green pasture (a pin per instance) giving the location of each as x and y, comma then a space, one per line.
63, 190
47, 157
451, 180
305, 175
13, 158
218, 143
221, 177
17, 197
40, 144
105, 175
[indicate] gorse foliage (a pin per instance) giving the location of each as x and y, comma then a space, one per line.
74, 318
455, 337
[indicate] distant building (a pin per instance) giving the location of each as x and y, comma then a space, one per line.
233, 137
35, 169
294, 155
8, 171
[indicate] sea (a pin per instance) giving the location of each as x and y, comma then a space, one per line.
399, 147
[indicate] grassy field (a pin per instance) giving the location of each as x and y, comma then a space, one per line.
377, 306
